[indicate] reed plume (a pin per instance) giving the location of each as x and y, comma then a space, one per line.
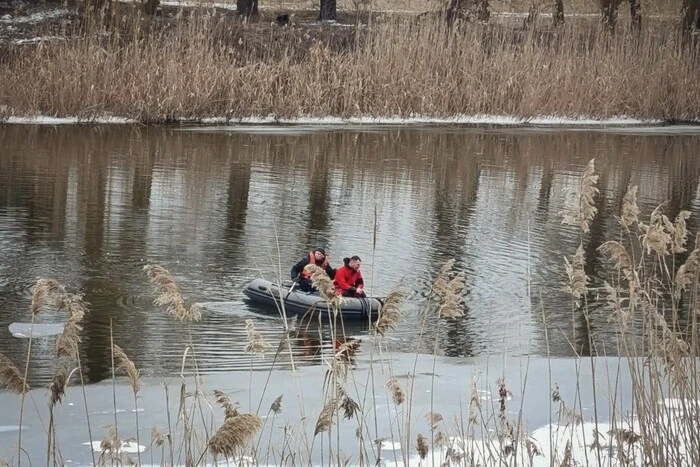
11, 378
452, 299
169, 294
230, 408
616, 304
129, 368
630, 210
157, 437
67, 343
276, 406
578, 280
46, 292
111, 442
325, 418
234, 434
422, 446
658, 235
390, 311
256, 344
442, 279
582, 211
58, 385
433, 419
324, 285
688, 272
349, 406
680, 232
347, 350
396, 390
617, 252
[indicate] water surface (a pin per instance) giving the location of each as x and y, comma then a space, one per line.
90, 206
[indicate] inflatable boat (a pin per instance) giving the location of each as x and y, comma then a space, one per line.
270, 294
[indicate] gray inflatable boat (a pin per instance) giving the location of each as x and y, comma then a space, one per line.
266, 293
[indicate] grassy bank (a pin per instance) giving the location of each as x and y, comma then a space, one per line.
654, 280
208, 64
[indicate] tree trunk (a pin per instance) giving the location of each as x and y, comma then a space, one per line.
483, 10
327, 11
690, 16
609, 9
558, 15
246, 8
150, 7
636, 15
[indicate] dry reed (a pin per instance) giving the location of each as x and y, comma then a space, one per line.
583, 209
578, 280
58, 385
230, 408
630, 210
129, 368
169, 294
422, 446
349, 406
276, 406
256, 344
11, 378
324, 285
46, 292
396, 67
325, 418
688, 271
390, 312
157, 437
69, 340
397, 393
234, 434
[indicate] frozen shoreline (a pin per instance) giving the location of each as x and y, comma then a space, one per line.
466, 120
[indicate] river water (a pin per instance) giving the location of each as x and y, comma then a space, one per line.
90, 206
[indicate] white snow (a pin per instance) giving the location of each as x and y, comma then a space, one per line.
38, 39
34, 17
46, 120
127, 447
493, 120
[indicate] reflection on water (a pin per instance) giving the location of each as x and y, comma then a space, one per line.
91, 206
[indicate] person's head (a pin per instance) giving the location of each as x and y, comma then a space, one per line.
355, 263
320, 254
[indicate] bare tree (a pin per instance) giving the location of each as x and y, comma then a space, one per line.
468, 10
328, 10
247, 8
150, 7
636, 14
609, 10
690, 16
558, 13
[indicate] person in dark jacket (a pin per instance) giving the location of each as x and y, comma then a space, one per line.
348, 278
302, 277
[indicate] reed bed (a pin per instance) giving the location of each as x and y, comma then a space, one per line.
207, 64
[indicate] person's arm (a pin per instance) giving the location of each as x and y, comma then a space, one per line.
330, 271
360, 284
297, 268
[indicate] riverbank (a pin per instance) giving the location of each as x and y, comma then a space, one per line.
202, 64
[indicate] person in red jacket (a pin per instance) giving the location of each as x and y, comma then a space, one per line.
348, 278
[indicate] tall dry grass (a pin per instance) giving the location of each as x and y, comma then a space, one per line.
206, 65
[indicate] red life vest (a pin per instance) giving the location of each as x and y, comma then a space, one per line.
305, 274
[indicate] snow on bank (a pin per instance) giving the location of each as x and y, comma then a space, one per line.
495, 120
46, 120
34, 17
